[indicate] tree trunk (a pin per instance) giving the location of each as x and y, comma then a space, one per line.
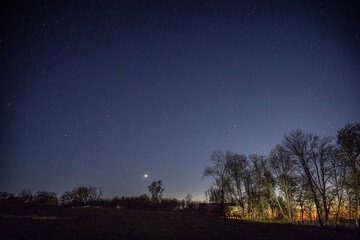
326, 211
302, 212
302, 215
357, 211
243, 212
319, 215
222, 202
349, 208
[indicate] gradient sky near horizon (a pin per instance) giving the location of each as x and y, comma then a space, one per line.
98, 93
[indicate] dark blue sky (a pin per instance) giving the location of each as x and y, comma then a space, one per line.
99, 93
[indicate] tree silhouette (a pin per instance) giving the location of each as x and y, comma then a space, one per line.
238, 165
81, 195
282, 167
156, 191
313, 155
348, 140
219, 171
306, 177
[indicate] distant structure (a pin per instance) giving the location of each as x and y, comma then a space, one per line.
214, 209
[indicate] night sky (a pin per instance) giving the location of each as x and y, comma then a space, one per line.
98, 93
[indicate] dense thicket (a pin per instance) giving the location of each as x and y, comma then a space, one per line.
305, 177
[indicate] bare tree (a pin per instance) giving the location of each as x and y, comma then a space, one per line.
156, 191
313, 156
81, 195
300, 200
99, 194
213, 195
66, 198
348, 140
188, 201
263, 184
26, 196
84, 195
250, 192
220, 173
237, 164
322, 154
282, 167
340, 171
305, 173
45, 198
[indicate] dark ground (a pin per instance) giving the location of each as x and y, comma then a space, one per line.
109, 223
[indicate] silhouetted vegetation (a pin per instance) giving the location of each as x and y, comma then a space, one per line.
25, 199
91, 196
306, 177
156, 191
81, 196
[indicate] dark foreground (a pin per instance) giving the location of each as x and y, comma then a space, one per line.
108, 223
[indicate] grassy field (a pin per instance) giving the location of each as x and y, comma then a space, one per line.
109, 223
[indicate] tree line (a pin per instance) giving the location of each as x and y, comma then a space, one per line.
92, 196
305, 177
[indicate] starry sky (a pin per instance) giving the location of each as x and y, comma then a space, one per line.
99, 93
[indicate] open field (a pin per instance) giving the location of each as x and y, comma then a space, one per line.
109, 223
